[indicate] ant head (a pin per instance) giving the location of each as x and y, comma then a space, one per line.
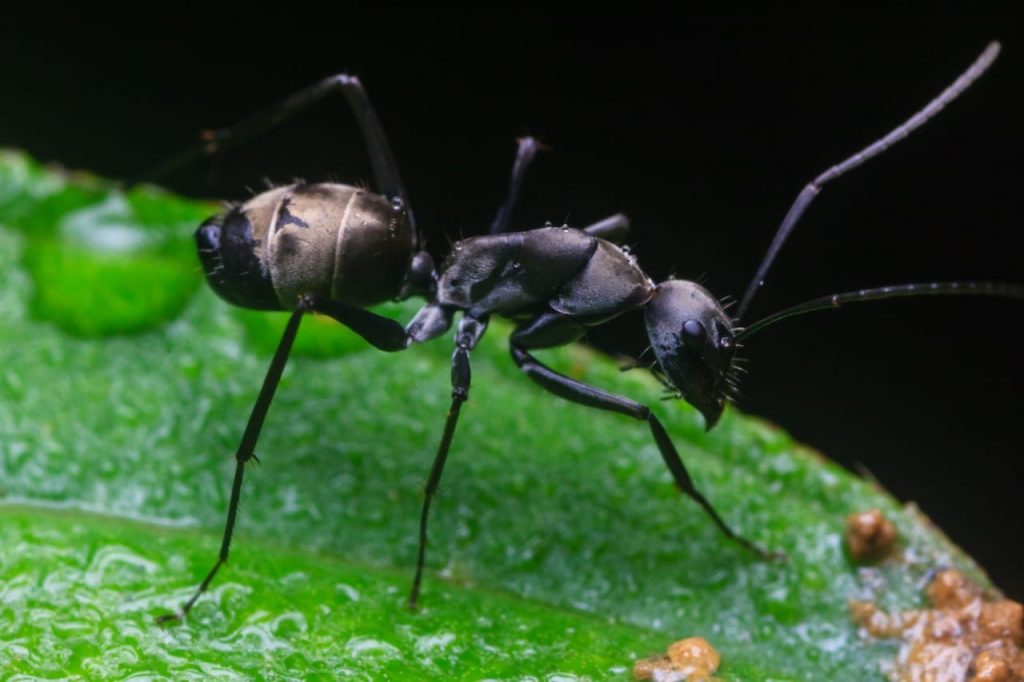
694, 342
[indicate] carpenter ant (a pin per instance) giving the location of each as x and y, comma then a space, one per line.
325, 248
333, 249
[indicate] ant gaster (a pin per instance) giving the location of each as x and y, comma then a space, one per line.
334, 249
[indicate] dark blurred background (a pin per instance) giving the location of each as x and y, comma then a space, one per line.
702, 127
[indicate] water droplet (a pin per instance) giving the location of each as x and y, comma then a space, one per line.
117, 565
108, 227
289, 625
349, 591
370, 647
429, 644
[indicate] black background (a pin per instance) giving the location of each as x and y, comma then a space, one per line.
702, 127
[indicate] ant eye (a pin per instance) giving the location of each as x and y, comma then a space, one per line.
694, 333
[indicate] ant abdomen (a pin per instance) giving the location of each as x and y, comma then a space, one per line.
331, 240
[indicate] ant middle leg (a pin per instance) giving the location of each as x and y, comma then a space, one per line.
466, 337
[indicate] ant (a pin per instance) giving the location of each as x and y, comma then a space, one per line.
334, 249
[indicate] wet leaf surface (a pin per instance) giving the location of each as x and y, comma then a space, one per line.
558, 544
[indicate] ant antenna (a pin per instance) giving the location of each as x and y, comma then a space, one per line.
996, 289
808, 193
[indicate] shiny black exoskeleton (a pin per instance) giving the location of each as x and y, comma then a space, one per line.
335, 249
327, 248
555, 282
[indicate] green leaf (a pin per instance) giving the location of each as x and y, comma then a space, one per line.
559, 548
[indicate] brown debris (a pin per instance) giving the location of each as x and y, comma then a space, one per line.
869, 535
991, 667
963, 638
691, 659
952, 590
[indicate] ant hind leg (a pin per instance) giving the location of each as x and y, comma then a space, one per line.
246, 451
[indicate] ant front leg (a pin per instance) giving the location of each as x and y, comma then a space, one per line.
466, 337
551, 329
246, 450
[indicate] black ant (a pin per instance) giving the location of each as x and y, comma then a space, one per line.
335, 249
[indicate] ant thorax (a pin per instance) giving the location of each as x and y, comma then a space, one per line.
567, 270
